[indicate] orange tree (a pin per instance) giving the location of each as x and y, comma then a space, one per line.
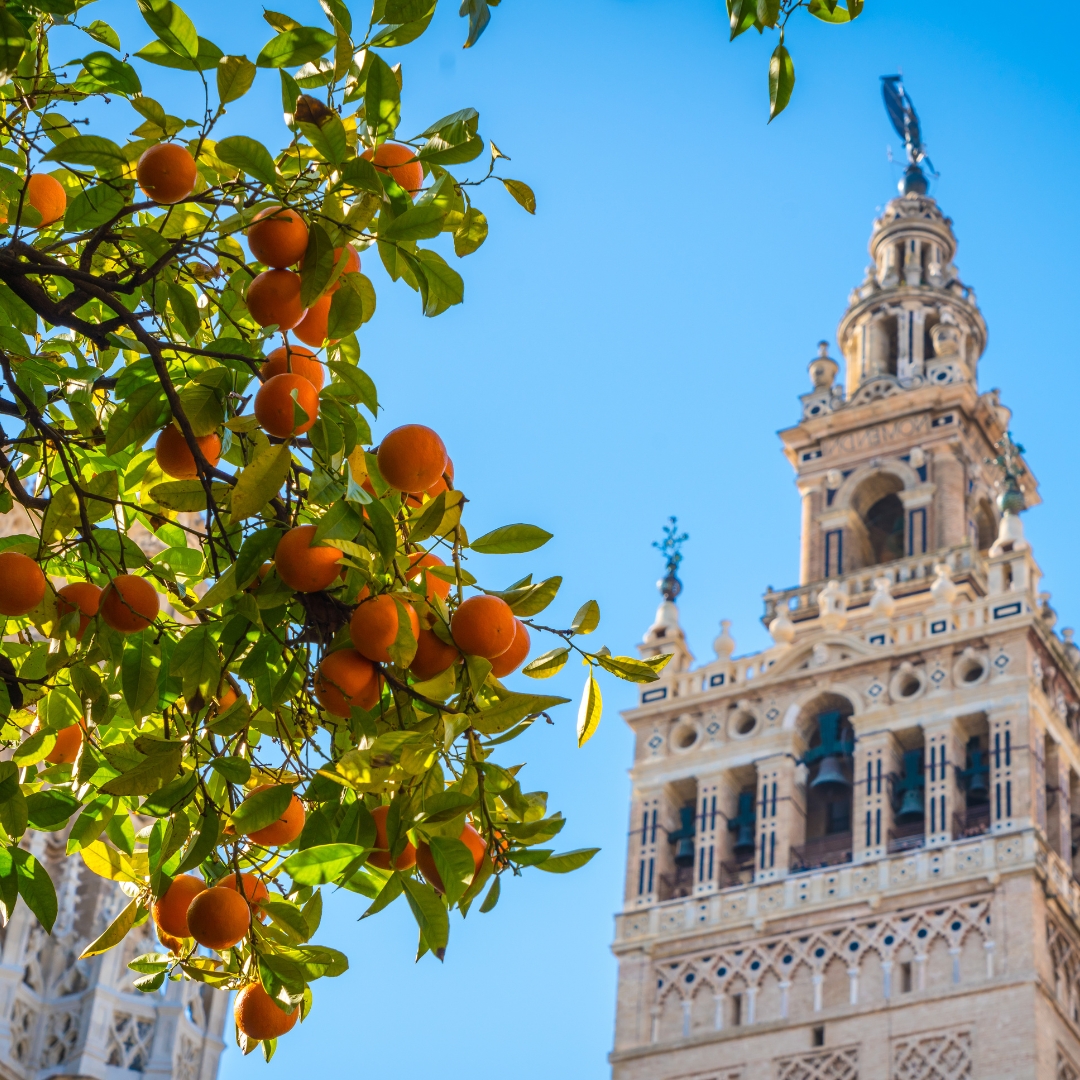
293, 680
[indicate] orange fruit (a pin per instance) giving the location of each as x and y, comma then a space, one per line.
81, 596
433, 656
47, 196
312, 328
418, 562
22, 584
68, 742
166, 173
346, 679
412, 458
416, 498
252, 887
352, 264
129, 604
274, 405
397, 160
170, 911
374, 626
514, 657
258, 1017
483, 626
287, 827
273, 298
228, 698
277, 237
302, 567
218, 918
380, 857
175, 457
295, 360
426, 861
175, 945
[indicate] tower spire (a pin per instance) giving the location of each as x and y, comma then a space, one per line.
665, 634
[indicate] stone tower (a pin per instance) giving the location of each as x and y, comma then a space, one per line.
851, 855
62, 1017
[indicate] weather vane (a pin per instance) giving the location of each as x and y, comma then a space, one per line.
1009, 461
670, 586
905, 120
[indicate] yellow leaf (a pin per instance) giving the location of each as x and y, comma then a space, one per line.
588, 717
109, 863
115, 933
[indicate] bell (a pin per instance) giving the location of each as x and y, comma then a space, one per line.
744, 839
830, 776
683, 838
911, 808
978, 788
743, 826
684, 852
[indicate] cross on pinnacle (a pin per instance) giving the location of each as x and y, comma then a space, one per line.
670, 586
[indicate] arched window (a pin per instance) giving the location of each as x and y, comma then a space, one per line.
985, 525
881, 515
830, 743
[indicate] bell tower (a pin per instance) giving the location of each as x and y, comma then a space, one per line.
851, 855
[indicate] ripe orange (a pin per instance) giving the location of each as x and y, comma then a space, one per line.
174, 944
274, 405
129, 604
258, 1017
253, 889
167, 173
273, 298
277, 237
68, 743
22, 584
484, 626
228, 697
83, 596
416, 498
426, 861
433, 656
418, 561
302, 567
412, 458
287, 827
296, 360
218, 918
346, 679
175, 457
170, 911
514, 657
374, 626
380, 857
47, 196
398, 161
313, 327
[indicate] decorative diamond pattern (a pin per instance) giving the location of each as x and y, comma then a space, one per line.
945, 1056
840, 1064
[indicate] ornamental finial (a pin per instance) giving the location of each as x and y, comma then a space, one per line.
670, 586
1009, 461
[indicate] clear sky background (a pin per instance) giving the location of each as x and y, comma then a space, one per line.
629, 353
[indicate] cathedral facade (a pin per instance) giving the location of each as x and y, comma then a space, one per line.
851, 855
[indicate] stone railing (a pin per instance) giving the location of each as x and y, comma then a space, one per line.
752, 904
913, 574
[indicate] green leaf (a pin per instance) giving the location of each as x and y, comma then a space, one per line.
262, 808
103, 32
257, 549
781, 81
532, 599
36, 888
318, 267
570, 860
405, 11
587, 618
454, 862
402, 33
93, 150
221, 590
93, 206
34, 749
430, 914
628, 668
90, 824
260, 481
523, 194
468, 236
359, 383
196, 662
139, 669
110, 72
235, 74
382, 100
172, 27
50, 810
295, 47
202, 844
512, 707
9, 884
492, 897
235, 769
543, 667
187, 496
592, 705
171, 797
249, 155
160, 765
288, 919
329, 138
742, 14
830, 14
417, 223
511, 539
143, 411
14, 41
382, 525
157, 52
445, 286
768, 11
351, 306
324, 864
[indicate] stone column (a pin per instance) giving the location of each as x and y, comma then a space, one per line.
942, 753
876, 756
781, 816
1007, 800
950, 498
810, 555
648, 850
718, 798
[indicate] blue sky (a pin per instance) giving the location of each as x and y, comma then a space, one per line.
630, 352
